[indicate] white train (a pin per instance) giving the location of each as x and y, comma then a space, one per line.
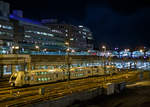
33, 77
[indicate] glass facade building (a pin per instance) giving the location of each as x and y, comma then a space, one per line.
6, 35
25, 35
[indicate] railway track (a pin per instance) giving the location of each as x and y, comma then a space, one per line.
24, 96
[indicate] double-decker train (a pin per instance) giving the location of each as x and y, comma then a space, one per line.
33, 77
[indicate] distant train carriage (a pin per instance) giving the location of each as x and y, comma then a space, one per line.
78, 72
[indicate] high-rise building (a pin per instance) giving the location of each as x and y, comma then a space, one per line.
30, 34
18, 13
86, 33
79, 38
4, 9
47, 35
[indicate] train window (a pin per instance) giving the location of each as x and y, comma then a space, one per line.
27, 78
32, 78
14, 78
39, 79
42, 79
56, 75
81, 74
37, 73
66, 73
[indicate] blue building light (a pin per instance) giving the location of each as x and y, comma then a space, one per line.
24, 19
137, 54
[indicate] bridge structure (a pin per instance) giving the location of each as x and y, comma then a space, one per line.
15, 62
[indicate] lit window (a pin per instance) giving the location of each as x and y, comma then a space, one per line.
71, 39
90, 38
86, 30
6, 27
38, 33
80, 26
84, 37
84, 33
56, 31
50, 35
32, 78
27, 36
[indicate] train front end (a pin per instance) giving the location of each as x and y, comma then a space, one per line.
15, 79
12, 79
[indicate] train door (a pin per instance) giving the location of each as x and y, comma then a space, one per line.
27, 79
21, 78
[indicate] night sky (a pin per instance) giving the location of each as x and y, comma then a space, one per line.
121, 23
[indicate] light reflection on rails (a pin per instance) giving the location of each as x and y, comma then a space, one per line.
54, 90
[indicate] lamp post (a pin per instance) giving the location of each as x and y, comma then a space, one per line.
68, 59
15, 48
37, 48
103, 59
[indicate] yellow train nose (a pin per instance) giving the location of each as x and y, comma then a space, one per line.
12, 84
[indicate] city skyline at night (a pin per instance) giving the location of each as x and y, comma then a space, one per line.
74, 53
121, 24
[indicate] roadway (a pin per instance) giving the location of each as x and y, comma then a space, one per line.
135, 95
28, 95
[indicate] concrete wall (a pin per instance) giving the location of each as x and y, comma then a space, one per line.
69, 99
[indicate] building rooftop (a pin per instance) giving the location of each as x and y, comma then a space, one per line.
24, 19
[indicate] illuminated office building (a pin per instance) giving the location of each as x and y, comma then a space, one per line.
32, 35
6, 29
79, 38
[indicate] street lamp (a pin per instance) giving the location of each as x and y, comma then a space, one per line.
103, 47
37, 48
127, 50
67, 43
15, 48
141, 50
68, 59
143, 53
67, 50
44, 50
73, 51
103, 58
